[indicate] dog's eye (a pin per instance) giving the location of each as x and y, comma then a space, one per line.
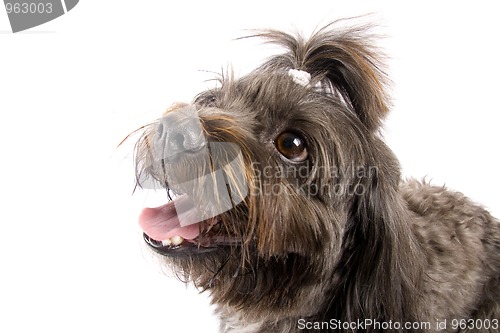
291, 146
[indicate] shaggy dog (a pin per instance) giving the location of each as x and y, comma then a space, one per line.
284, 203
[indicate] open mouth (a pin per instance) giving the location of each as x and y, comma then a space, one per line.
175, 229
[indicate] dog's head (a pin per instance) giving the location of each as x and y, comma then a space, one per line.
282, 189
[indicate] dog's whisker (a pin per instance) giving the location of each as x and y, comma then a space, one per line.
211, 282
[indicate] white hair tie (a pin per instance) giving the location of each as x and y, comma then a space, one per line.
300, 77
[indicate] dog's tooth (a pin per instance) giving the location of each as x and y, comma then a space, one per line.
177, 240
166, 242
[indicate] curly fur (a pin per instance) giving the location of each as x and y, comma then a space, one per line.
400, 251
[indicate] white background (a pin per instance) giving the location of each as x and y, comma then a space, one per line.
71, 254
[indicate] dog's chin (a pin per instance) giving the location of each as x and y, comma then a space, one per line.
186, 248
201, 245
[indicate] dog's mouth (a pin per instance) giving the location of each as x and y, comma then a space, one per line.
175, 229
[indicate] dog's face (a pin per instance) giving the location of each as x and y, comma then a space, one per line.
277, 177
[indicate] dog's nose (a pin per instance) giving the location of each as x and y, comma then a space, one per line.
179, 131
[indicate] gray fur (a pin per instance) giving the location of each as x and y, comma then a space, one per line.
395, 250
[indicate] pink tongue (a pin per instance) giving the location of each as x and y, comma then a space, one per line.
163, 222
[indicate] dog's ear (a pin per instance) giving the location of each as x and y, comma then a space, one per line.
345, 61
380, 268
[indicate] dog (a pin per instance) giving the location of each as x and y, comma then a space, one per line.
284, 203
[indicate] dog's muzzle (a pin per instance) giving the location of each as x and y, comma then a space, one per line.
207, 179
